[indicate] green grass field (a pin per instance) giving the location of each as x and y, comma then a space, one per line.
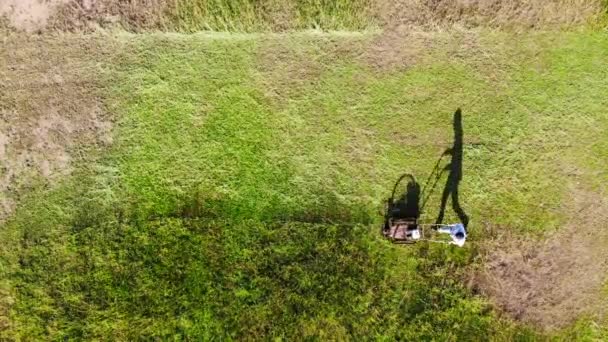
240, 197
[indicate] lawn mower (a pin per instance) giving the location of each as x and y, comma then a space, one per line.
402, 215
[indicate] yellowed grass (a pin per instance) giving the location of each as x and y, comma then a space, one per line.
493, 13
275, 15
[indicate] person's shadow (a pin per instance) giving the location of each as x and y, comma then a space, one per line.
454, 169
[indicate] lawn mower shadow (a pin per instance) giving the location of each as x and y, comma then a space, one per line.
408, 204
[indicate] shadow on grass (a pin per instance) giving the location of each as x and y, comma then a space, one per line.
327, 209
454, 169
410, 205
407, 206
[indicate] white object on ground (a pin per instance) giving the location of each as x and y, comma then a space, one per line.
453, 230
415, 234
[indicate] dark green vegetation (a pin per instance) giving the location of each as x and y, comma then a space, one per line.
209, 215
197, 278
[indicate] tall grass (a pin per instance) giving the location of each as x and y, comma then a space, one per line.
265, 15
353, 15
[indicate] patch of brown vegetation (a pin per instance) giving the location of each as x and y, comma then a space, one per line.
400, 48
433, 14
277, 15
142, 15
552, 282
84, 15
288, 66
164, 15
49, 107
89, 15
403, 47
29, 15
284, 68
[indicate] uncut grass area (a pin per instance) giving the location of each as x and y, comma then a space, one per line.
241, 194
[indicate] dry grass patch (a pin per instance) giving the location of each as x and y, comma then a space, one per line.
88, 15
29, 15
294, 63
494, 13
275, 15
49, 105
554, 281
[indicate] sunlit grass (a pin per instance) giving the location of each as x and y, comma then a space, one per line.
209, 215
255, 16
